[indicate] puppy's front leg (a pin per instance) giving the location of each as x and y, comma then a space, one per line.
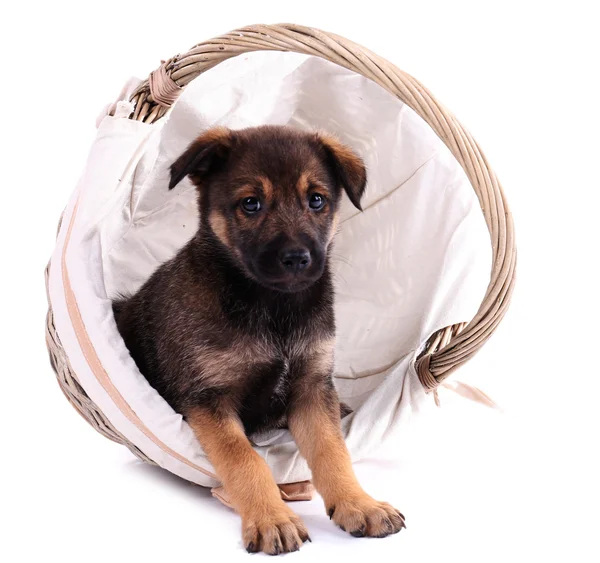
314, 421
267, 523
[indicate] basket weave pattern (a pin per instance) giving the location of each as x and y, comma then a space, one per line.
450, 347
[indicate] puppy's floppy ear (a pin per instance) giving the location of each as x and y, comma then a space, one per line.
347, 166
202, 156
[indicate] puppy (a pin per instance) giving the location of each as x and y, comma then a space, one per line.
237, 331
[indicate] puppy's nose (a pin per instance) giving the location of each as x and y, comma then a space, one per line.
295, 259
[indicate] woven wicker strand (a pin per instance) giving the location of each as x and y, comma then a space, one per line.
448, 348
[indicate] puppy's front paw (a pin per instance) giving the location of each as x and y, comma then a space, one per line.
364, 516
273, 531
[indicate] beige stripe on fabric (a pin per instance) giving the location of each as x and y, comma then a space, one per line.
96, 366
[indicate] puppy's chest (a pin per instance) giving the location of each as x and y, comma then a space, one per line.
265, 356
277, 363
268, 385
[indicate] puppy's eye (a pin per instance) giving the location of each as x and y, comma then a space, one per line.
250, 204
316, 201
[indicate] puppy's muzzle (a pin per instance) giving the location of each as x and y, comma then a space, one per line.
295, 259
288, 264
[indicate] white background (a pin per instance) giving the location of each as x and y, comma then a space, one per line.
475, 485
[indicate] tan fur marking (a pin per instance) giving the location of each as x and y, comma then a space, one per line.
218, 224
224, 365
308, 180
250, 191
267, 186
315, 425
268, 524
245, 191
349, 161
323, 359
324, 450
220, 135
344, 153
303, 183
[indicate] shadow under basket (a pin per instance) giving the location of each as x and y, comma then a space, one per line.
113, 201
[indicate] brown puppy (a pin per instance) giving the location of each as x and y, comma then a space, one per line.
237, 331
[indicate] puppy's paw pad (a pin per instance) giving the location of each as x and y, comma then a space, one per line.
274, 533
365, 516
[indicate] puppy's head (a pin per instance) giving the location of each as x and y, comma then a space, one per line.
271, 195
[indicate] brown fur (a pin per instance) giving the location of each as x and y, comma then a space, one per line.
268, 524
237, 331
314, 423
349, 166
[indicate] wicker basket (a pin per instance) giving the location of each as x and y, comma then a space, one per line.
450, 347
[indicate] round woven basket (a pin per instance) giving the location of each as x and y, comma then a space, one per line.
447, 349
